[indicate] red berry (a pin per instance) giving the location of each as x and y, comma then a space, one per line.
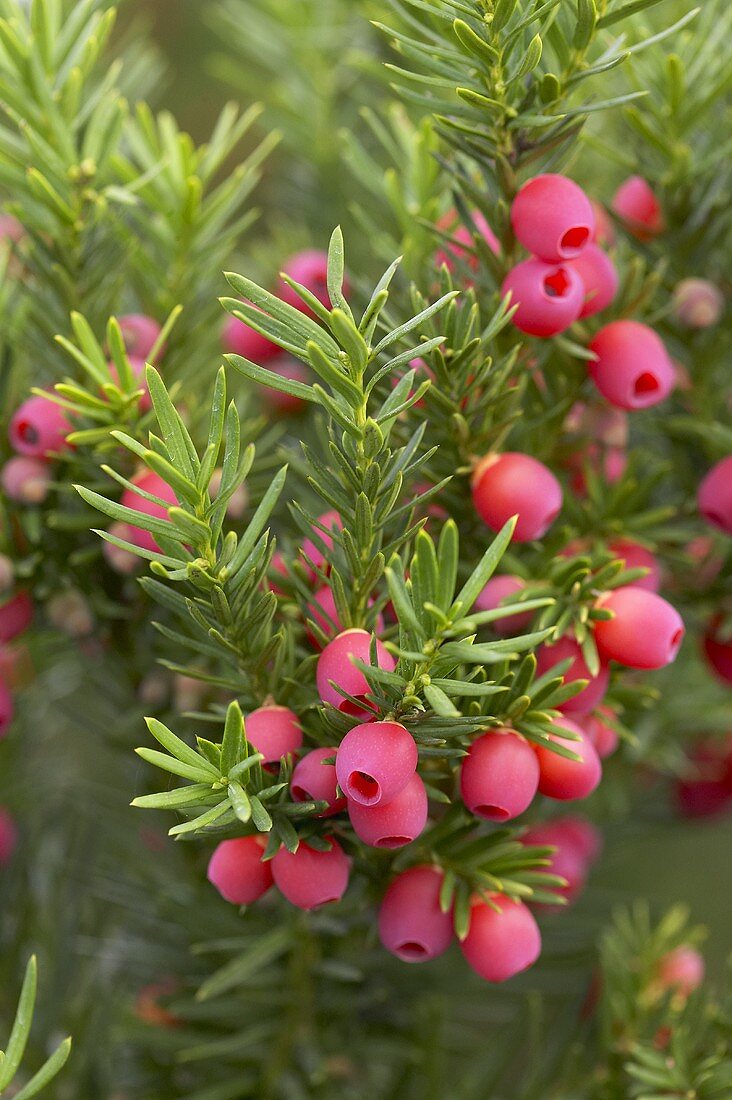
334, 664
602, 735
38, 428
645, 632
240, 338
552, 217
16, 615
718, 651
293, 371
375, 762
26, 480
411, 924
599, 278
635, 556
274, 731
308, 877
708, 791
501, 944
636, 204
314, 781
151, 483
681, 969
570, 860
7, 709
547, 656
566, 779
8, 836
139, 333
392, 824
604, 234
632, 369
237, 871
550, 296
462, 236
511, 483
310, 269
137, 366
312, 551
499, 776
499, 589
715, 496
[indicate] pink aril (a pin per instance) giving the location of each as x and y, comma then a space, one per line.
309, 878
237, 870
499, 777
375, 762
412, 925
392, 824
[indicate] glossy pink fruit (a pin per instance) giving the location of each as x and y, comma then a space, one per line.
499, 777
602, 735
646, 630
310, 269
274, 731
292, 370
392, 824
335, 664
411, 924
7, 709
499, 588
240, 338
314, 781
547, 656
552, 217
604, 234
599, 278
8, 836
139, 334
317, 549
550, 296
635, 556
513, 483
637, 205
137, 366
26, 480
566, 779
375, 762
501, 944
715, 496
633, 369
718, 651
309, 878
237, 871
38, 428
462, 240
16, 615
151, 483
682, 969
571, 859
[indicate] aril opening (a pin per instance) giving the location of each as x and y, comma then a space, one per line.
494, 813
556, 284
27, 432
645, 383
412, 952
364, 785
393, 841
575, 238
